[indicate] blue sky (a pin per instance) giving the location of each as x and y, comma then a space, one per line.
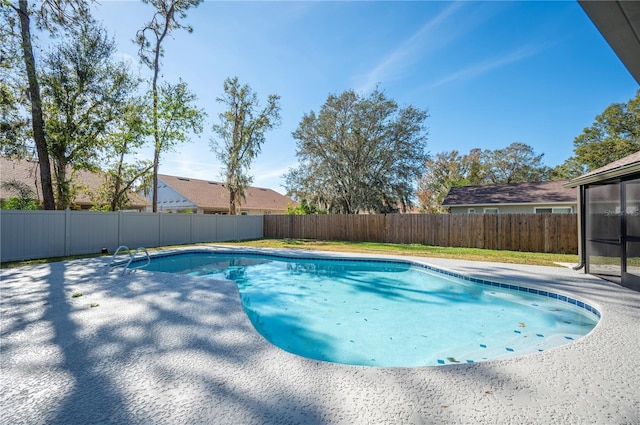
489, 73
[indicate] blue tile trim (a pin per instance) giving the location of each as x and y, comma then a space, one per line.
543, 293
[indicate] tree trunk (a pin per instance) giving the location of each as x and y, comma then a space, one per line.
233, 195
115, 200
36, 109
62, 185
156, 161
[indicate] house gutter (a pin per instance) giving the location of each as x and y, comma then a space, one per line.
605, 175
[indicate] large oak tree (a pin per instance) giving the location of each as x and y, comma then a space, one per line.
359, 154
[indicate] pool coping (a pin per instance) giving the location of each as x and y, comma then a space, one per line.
153, 352
531, 289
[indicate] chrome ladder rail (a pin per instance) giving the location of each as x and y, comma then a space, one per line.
139, 249
125, 265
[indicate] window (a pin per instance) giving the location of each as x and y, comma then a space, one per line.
567, 210
491, 211
559, 210
472, 211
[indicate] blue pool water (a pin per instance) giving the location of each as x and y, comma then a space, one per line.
388, 313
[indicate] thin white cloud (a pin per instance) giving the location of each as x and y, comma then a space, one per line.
425, 39
477, 69
190, 168
278, 172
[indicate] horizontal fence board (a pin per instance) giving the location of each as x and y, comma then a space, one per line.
553, 233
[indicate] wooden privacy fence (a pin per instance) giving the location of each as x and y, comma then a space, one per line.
556, 233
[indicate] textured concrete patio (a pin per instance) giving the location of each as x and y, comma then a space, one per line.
157, 348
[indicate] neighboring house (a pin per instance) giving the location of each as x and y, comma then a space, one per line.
28, 172
609, 221
513, 198
183, 194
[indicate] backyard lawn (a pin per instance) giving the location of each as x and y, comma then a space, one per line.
420, 250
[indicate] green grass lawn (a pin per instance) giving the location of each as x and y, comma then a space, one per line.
472, 254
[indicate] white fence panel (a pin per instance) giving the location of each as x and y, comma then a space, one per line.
38, 234
249, 227
204, 228
227, 226
139, 229
32, 234
87, 237
175, 229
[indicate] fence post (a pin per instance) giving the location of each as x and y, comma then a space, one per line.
159, 229
67, 232
191, 239
120, 224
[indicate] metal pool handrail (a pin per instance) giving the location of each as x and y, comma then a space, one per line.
113, 264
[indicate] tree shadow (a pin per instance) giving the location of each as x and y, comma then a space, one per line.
155, 348
161, 348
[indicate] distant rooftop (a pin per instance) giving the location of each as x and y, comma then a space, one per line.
512, 193
27, 171
214, 195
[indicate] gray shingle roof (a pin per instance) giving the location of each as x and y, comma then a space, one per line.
624, 166
513, 193
215, 196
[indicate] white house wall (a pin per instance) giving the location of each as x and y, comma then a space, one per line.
171, 200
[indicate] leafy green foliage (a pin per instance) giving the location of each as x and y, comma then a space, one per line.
515, 163
125, 139
20, 204
53, 16
303, 208
26, 199
359, 154
178, 115
614, 134
443, 172
85, 94
13, 102
241, 133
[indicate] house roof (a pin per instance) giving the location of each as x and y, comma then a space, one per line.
619, 23
513, 193
622, 167
214, 195
27, 171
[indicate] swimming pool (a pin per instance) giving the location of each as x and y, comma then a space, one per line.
388, 313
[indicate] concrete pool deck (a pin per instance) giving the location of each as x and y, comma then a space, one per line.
156, 348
